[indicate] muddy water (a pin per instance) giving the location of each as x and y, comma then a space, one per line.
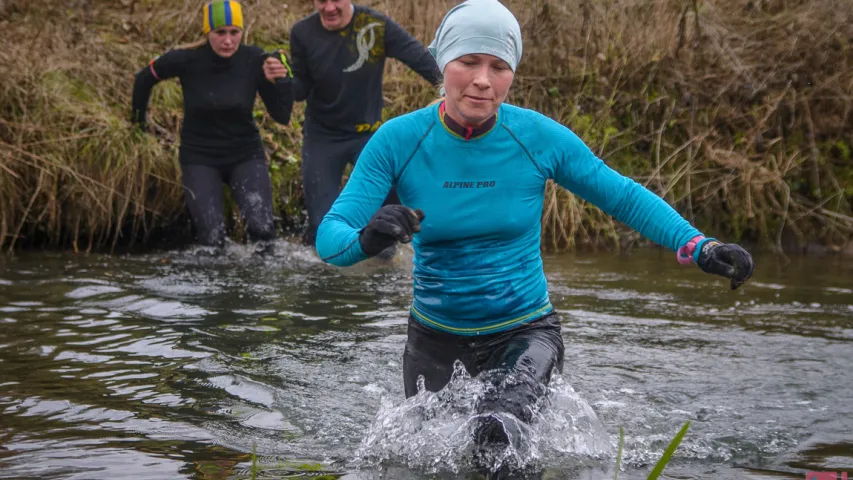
179, 365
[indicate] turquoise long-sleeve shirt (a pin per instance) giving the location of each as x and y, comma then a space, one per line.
477, 263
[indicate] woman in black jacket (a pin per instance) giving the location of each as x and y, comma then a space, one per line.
220, 142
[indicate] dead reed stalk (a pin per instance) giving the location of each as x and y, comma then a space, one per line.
737, 113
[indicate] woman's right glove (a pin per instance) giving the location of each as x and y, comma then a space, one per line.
727, 260
389, 225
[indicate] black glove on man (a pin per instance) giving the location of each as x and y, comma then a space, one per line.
727, 260
389, 225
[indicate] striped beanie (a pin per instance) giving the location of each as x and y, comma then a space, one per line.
222, 13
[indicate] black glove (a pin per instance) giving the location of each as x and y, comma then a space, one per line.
389, 225
727, 260
282, 57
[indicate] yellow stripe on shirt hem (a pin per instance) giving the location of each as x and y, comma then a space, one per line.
508, 323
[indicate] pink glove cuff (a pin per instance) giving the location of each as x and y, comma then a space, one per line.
685, 253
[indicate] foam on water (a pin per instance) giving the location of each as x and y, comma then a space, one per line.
433, 431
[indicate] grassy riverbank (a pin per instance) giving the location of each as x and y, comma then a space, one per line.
737, 112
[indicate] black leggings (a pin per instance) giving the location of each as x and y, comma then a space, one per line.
324, 158
529, 352
250, 187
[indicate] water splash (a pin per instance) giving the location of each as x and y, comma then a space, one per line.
434, 431
274, 252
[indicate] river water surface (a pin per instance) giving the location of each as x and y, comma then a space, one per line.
179, 365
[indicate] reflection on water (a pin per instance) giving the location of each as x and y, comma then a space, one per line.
177, 365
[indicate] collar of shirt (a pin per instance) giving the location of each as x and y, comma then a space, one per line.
466, 133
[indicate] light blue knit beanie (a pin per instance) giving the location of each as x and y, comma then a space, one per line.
477, 26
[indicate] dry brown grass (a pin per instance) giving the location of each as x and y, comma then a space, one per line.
736, 112
72, 171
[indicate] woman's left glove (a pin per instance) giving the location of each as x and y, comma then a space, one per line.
276, 67
727, 260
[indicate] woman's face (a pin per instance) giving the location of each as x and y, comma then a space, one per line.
475, 85
225, 40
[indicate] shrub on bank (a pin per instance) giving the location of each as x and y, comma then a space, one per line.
736, 112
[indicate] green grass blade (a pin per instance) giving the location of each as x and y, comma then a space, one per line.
254, 462
619, 453
667, 454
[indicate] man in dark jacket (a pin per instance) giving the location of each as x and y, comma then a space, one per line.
338, 58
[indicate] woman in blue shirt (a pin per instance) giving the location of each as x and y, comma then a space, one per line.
471, 173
